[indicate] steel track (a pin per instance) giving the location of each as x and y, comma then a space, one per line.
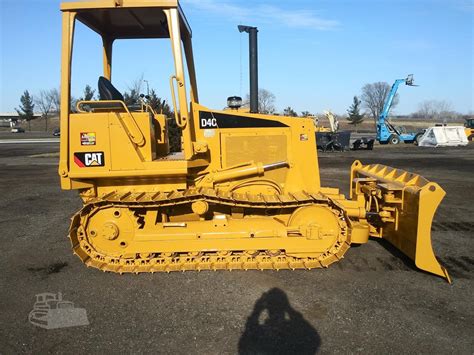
184, 260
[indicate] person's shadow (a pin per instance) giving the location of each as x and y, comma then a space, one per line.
274, 327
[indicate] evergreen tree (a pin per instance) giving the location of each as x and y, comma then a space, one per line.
290, 112
355, 117
174, 135
131, 97
25, 111
88, 94
161, 107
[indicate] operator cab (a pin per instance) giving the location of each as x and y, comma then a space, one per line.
115, 139
106, 139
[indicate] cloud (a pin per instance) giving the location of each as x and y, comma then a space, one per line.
219, 7
265, 14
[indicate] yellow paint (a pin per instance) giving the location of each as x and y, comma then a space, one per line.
246, 197
412, 202
469, 129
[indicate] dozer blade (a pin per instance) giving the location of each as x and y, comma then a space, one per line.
412, 202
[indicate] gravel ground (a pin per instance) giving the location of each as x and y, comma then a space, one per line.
373, 301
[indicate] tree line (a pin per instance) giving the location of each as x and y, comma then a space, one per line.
373, 99
48, 102
369, 104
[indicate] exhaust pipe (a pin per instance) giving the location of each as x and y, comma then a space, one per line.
253, 63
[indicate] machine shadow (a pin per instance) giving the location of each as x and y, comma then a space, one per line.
274, 327
407, 262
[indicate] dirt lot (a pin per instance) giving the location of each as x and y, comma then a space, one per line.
371, 302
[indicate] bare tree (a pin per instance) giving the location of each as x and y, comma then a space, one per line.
132, 95
55, 98
266, 101
435, 109
374, 96
425, 109
45, 104
72, 104
137, 84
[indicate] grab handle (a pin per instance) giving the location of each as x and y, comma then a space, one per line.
173, 97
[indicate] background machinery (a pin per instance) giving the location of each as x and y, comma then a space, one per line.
245, 191
331, 139
469, 129
386, 132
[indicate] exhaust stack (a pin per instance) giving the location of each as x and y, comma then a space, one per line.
253, 64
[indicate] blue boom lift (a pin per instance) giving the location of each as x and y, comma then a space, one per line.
386, 132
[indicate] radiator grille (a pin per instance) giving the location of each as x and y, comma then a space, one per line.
263, 148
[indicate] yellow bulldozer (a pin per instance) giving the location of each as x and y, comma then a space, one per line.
244, 192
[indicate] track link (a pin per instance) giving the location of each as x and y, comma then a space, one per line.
217, 260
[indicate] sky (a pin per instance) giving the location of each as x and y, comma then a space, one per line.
313, 54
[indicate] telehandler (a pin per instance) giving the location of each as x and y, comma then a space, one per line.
388, 133
244, 192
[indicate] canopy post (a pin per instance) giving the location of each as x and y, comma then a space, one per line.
175, 36
107, 44
68, 21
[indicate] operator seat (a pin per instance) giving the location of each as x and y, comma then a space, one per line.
107, 91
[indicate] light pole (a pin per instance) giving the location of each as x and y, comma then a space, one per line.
147, 87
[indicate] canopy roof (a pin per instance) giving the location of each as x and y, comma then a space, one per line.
127, 18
